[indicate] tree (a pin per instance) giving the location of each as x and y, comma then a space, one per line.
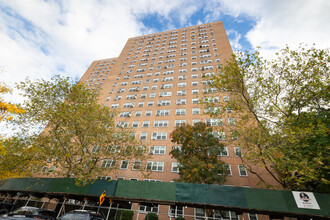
79, 137
7, 110
198, 155
283, 108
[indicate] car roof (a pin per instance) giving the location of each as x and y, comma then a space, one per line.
91, 212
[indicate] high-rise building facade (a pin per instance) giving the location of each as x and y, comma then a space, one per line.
156, 83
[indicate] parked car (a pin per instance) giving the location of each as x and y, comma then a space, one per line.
82, 215
26, 212
5, 207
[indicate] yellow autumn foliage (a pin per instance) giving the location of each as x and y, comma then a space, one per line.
6, 109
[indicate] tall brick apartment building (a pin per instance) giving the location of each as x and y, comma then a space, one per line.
156, 83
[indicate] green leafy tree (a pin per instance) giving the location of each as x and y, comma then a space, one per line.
79, 137
282, 109
198, 154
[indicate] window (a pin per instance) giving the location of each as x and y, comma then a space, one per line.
160, 123
166, 86
210, 90
44, 169
128, 105
159, 136
195, 100
253, 216
114, 106
214, 110
196, 111
181, 101
194, 121
136, 165
151, 103
148, 208
124, 164
228, 170
162, 112
213, 122
194, 76
223, 152
180, 111
145, 124
231, 121
135, 124
108, 163
238, 151
164, 102
176, 211
242, 170
234, 135
94, 149
182, 77
143, 96
226, 98
180, 122
125, 114
194, 91
199, 214
138, 113
122, 124
153, 87
104, 177
175, 167
220, 134
182, 84
164, 94
155, 166
141, 104
211, 99
194, 83
157, 149
148, 113
181, 92
229, 110
143, 136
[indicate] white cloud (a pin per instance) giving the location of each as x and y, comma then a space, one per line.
42, 38
66, 36
280, 22
234, 41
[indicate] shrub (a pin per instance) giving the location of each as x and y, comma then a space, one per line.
151, 216
124, 215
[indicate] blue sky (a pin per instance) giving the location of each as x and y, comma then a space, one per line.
39, 38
